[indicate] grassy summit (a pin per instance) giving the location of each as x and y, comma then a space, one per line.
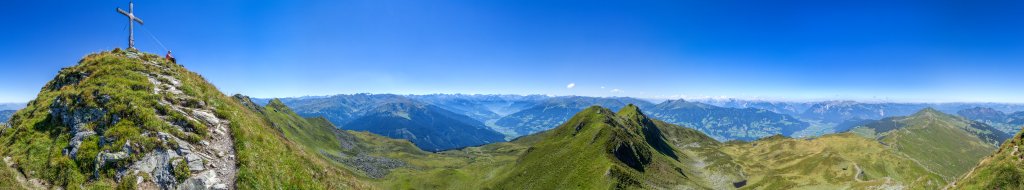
98, 119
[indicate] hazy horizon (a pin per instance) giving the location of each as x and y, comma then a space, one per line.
661, 99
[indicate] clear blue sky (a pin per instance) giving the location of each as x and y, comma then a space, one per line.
936, 50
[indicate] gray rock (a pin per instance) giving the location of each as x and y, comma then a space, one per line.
195, 163
77, 141
158, 165
204, 180
76, 118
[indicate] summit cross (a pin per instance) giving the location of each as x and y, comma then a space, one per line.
131, 23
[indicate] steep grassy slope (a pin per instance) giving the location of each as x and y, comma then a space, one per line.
838, 161
316, 134
945, 144
1003, 170
140, 107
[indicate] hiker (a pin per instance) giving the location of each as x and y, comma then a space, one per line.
171, 58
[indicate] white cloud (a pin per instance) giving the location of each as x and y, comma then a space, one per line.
616, 90
571, 85
602, 87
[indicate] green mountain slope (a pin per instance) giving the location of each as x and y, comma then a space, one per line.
945, 144
1002, 170
600, 149
122, 116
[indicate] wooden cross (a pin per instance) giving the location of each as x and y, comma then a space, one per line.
131, 23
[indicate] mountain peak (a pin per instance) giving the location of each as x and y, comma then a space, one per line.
633, 117
279, 106
930, 112
630, 110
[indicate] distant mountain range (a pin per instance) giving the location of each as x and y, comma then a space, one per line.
8, 109
723, 119
727, 123
841, 111
481, 107
553, 111
429, 127
1009, 123
6, 115
788, 108
11, 106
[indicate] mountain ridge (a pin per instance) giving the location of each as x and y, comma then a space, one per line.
946, 144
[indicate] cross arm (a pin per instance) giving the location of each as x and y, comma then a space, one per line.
129, 15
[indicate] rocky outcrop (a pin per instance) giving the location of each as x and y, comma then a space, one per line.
372, 166
195, 153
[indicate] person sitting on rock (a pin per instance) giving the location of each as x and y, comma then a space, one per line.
170, 58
